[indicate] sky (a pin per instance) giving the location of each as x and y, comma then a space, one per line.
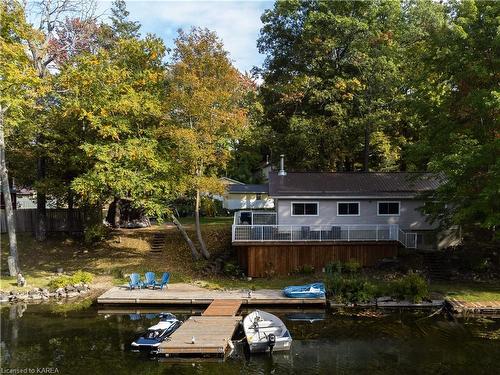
237, 23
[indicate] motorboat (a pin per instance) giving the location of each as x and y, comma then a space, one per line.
155, 335
315, 290
266, 332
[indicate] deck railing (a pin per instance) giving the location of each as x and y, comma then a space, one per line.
333, 232
255, 217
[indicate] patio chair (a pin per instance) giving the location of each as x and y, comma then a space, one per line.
135, 281
164, 280
150, 279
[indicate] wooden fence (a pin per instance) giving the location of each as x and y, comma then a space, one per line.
57, 220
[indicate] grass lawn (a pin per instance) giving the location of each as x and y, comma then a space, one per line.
208, 221
468, 291
125, 251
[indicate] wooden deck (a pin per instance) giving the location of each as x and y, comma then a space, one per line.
483, 307
258, 259
223, 307
187, 294
211, 334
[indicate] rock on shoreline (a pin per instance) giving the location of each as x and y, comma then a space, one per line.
43, 294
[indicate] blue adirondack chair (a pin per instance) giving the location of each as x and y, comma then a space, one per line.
135, 281
150, 279
164, 280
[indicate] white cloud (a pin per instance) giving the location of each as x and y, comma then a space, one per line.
236, 22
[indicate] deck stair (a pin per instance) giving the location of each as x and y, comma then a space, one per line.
158, 242
437, 265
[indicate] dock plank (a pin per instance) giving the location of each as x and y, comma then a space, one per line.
221, 307
186, 294
477, 307
211, 336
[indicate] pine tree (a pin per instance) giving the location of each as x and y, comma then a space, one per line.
120, 25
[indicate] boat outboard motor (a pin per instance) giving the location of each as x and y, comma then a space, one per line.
271, 341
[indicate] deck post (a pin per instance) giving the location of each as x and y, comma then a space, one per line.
376, 233
348, 234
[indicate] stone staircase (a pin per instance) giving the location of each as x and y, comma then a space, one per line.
158, 242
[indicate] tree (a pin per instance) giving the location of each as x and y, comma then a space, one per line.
458, 101
18, 84
120, 25
334, 83
44, 52
112, 101
205, 110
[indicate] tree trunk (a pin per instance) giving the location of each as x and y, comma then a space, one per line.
117, 217
41, 202
9, 211
70, 213
204, 250
367, 148
194, 252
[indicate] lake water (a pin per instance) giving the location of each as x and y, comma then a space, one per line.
86, 341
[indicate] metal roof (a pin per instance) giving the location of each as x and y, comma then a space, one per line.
351, 184
248, 188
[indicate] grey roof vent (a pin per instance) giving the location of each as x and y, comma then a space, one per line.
282, 171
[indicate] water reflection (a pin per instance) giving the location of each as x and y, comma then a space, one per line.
81, 340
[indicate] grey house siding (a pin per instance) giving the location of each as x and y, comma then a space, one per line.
409, 217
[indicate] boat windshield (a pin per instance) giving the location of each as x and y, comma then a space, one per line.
154, 333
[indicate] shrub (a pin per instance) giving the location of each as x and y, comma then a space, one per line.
333, 268
65, 280
306, 269
82, 277
95, 233
352, 289
231, 269
412, 287
349, 267
352, 266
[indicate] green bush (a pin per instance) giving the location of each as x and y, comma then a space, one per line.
333, 268
231, 269
65, 280
351, 289
82, 277
352, 266
412, 287
95, 233
306, 269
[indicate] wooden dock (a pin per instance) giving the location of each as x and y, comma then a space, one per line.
187, 294
206, 335
211, 334
483, 307
223, 307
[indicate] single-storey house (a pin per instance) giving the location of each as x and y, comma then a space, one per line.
323, 217
240, 196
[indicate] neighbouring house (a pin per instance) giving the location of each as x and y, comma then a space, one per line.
324, 217
240, 196
247, 196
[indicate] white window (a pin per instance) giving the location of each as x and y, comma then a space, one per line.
347, 208
305, 208
388, 209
